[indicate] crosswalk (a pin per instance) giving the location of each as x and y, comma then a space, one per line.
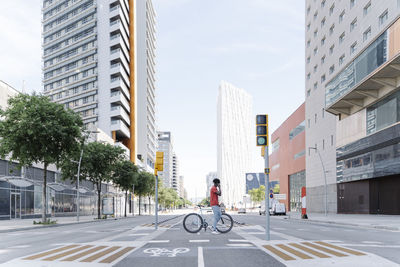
309, 250
82, 253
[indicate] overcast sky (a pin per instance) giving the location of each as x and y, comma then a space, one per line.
257, 45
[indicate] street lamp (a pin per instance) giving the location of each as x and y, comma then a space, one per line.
323, 169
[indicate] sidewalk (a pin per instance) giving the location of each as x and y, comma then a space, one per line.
27, 224
387, 222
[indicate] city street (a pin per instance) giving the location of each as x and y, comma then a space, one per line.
134, 242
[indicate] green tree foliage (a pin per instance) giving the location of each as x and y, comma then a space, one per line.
277, 189
145, 185
257, 194
205, 202
98, 163
34, 130
125, 175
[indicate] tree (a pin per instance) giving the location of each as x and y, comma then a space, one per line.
205, 202
257, 194
125, 175
97, 165
35, 130
143, 185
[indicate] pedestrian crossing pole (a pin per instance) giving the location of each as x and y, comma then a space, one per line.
262, 140
159, 166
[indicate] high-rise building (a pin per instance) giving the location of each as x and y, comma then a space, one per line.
175, 174
235, 141
98, 59
352, 130
165, 145
181, 186
209, 181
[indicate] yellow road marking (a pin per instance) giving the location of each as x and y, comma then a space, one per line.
338, 254
69, 252
279, 253
117, 255
87, 252
308, 250
294, 252
100, 254
37, 256
341, 248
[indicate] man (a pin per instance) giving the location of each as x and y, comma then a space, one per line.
215, 192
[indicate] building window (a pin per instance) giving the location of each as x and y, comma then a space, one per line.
315, 68
315, 86
323, 60
341, 16
300, 154
308, 76
323, 3
323, 22
315, 33
341, 38
323, 113
331, 69
341, 60
323, 78
308, 26
331, 9
353, 48
331, 49
331, 140
315, 118
315, 51
297, 130
331, 29
308, 60
308, 92
308, 123
308, 43
367, 8
383, 18
323, 41
308, 9
353, 24
323, 144
352, 3
315, 15
367, 34
275, 145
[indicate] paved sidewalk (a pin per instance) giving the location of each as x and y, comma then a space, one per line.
388, 222
27, 224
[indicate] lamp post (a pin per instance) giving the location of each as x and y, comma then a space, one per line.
323, 169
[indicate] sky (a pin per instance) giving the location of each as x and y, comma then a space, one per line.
257, 45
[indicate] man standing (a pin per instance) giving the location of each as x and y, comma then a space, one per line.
214, 193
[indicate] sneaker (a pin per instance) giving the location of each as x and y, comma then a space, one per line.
215, 232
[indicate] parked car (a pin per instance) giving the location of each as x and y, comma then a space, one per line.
242, 210
276, 208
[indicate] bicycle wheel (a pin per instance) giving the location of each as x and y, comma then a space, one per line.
225, 224
193, 223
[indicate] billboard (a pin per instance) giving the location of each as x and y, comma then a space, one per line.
254, 180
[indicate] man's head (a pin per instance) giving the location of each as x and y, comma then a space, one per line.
216, 181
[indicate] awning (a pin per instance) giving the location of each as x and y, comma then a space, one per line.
380, 83
18, 181
57, 186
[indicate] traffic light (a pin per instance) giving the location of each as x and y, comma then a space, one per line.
262, 130
159, 161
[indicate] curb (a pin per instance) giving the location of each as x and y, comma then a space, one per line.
381, 227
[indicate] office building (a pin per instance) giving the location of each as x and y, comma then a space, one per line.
98, 59
175, 174
165, 145
352, 105
209, 181
287, 159
235, 141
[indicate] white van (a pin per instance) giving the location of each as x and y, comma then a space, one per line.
275, 207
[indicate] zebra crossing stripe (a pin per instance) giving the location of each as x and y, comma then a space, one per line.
117, 255
341, 248
100, 254
309, 250
85, 253
294, 252
338, 254
37, 256
69, 252
279, 253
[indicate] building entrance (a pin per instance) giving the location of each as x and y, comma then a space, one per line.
15, 206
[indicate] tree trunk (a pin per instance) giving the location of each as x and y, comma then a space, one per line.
140, 198
126, 200
98, 200
44, 195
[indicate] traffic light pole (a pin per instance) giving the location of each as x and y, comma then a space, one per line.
156, 207
266, 171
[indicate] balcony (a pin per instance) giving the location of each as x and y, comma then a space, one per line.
126, 150
377, 85
120, 113
120, 127
118, 83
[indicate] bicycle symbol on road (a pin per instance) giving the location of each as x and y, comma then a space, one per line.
158, 252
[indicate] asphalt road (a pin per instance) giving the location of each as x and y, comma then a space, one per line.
134, 242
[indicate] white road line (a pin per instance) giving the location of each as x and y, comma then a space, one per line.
139, 234
22, 246
279, 229
3, 251
200, 258
371, 242
158, 241
239, 245
370, 245
238, 240
199, 241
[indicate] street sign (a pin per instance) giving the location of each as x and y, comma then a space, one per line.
280, 196
271, 195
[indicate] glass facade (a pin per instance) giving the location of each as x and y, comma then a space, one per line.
369, 60
296, 131
296, 182
384, 113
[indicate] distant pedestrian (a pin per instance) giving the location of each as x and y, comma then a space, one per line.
215, 192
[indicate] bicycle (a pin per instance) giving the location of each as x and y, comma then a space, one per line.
193, 222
